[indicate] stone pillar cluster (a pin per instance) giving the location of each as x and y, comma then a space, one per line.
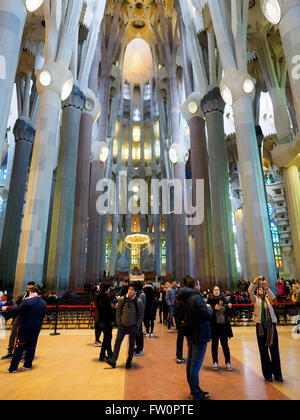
66, 87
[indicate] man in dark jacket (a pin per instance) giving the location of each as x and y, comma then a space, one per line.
197, 341
105, 313
140, 335
15, 323
130, 314
32, 311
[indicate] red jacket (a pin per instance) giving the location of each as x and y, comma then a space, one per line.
280, 288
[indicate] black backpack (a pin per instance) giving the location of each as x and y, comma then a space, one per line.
127, 300
184, 317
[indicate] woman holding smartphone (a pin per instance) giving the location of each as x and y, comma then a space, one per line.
267, 337
220, 327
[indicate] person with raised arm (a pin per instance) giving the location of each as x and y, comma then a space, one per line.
265, 319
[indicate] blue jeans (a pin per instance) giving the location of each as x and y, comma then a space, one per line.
196, 354
170, 316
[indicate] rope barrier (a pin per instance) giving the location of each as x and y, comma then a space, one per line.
274, 303
71, 306
89, 307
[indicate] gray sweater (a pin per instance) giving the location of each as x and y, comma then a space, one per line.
130, 312
257, 304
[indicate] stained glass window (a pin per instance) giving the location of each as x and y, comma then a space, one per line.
270, 209
135, 254
276, 244
107, 252
163, 252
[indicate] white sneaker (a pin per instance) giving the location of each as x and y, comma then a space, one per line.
229, 368
11, 371
169, 331
216, 366
151, 335
148, 335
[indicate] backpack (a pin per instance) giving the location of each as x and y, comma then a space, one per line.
184, 317
128, 300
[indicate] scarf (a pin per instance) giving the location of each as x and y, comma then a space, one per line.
266, 320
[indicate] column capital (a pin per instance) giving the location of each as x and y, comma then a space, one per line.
92, 105
191, 108
56, 78
23, 131
213, 101
178, 153
279, 10
286, 155
236, 84
75, 100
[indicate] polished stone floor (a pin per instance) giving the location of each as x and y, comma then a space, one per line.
67, 368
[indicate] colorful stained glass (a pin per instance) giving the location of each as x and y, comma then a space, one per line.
276, 244
163, 252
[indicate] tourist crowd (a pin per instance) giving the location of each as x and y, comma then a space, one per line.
198, 316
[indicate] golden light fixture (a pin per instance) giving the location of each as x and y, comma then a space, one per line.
136, 133
137, 240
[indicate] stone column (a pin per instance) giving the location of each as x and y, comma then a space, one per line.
12, 20
223, 239
108, 170
157, 244
284, 154
290, 34
54, 84
166, 164
156, 217
181, 251
34, 229
199, 163
257, 220
49, 226
81, 205
93, 261
24, 136
287, 156
242, 243
58, 273
292, 186
168, 46
181, 231
116, 217
142, 160
237, 88
3, 203
128, 216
